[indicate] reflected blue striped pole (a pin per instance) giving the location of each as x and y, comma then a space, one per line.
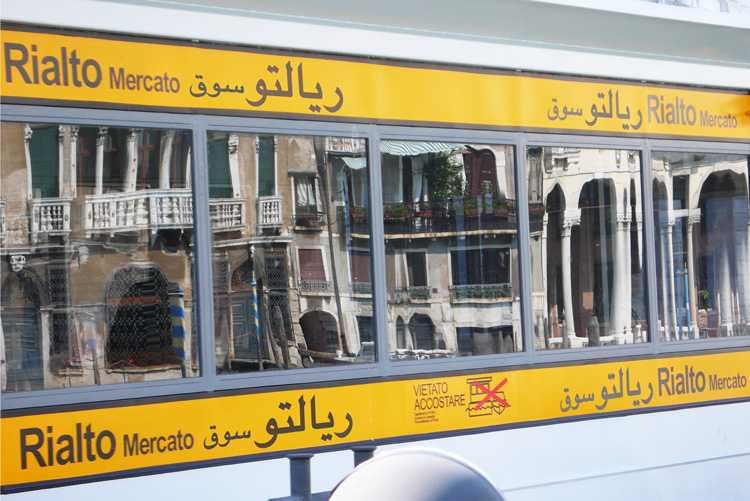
256, 323
177, 303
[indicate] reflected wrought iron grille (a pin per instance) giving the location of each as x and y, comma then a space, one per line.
276, 272
281, 299
64, 351
139, 318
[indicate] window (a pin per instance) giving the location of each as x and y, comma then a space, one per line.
312, 271
99, 290
364, 324
451, 248
416, 264
307, 208
587, 255
480, 267
288, 252
702, 245
360, 269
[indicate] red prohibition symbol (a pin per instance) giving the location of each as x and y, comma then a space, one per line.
491, 394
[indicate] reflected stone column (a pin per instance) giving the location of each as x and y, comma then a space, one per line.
233, 145
725, 280
567, 284
29, 179
620, 308
131, 164
74, 129
543, 316
693, 219
60, 159
672, 295
639, 225
101, 141
189, 168
664, 280
165, 156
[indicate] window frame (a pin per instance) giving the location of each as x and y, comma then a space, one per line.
200, 125
115, 119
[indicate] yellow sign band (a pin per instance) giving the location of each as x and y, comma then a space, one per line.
56, 446
91, 71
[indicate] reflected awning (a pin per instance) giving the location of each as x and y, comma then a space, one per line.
412, 148
355, 163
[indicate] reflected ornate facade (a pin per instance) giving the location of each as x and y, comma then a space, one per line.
451, 249
97, 281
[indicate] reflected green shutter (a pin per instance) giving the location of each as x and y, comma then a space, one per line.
219, 179
44, 153
266, 169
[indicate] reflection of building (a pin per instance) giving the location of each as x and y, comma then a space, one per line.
702, 245
96, 229
297, 265
588, 256
450, 253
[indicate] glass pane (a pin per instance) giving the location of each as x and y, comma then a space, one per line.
586, 247
97, 275
702, 245
451, 249
292, 284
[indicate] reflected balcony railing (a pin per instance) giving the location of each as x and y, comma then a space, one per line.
417, 293
481, 291
155, 210
449, 216
270, 212
315, 286
360, 287
49, 216
313, 221
536, 217
227, 213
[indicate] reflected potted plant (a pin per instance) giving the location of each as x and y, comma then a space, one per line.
500, 207
471, 207
398, 211
358, 213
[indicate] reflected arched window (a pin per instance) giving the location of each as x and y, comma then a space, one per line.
320, 331
400, 334
139, 318
423, 332
22, 333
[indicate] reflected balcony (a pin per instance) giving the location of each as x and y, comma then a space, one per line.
419, 293
155, 210
270, 212
536, 217
314, 221
364, 288
481, 292
49, 217
227, 214
451, 216
315, 287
